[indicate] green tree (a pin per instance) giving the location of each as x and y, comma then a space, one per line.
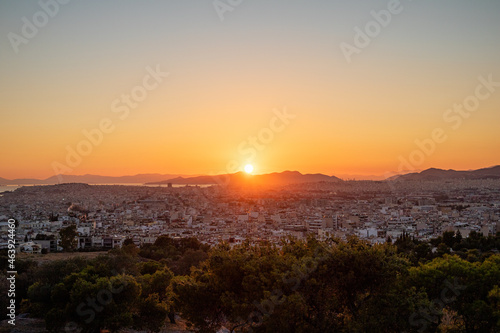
150, 267
224, 289
128, 241
190, 258
449, 238
100, 302
358, 287
304, 287
458, 240
68, 238
464, 287
152, 314
157, 283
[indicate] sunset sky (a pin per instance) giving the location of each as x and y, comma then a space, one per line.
227, 80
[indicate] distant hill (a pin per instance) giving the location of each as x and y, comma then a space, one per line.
440, 174
22, 181
385, 176
240, 178
90, 179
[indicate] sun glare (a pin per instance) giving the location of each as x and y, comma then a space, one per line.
248, 168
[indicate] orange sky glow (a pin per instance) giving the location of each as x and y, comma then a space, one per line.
169, 88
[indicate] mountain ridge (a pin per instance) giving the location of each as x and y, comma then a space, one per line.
280, 178
241, 178
433, 174
90, 179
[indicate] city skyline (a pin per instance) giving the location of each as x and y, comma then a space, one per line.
207, 87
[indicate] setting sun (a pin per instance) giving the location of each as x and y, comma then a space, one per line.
248, 168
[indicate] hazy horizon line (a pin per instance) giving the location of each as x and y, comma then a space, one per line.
339, 175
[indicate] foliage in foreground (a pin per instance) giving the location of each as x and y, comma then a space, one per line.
299, 286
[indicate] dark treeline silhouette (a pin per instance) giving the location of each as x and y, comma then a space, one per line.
450, 284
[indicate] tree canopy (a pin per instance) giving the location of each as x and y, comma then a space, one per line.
294, 286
